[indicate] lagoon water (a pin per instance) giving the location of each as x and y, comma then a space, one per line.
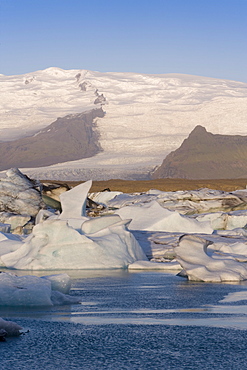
133, 320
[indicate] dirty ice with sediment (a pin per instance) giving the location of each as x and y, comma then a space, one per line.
146, 116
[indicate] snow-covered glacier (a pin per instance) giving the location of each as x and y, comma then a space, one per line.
146, 116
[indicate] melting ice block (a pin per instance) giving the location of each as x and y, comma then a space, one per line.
54, 245
10, 327
34, 291
198, 265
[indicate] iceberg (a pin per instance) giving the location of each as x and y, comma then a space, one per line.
19, 195
9, 328
73, 202
152, 217
54, 245
193, 255
72, 240
35, 291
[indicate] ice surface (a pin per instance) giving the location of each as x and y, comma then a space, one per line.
93, 225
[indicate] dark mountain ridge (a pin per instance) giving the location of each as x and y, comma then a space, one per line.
69, 138
204, 155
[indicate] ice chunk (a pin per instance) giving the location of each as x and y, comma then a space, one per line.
74, 201
44, 214
13, 219
18, 194
153, 217
34, 291
24, 291
192, 254
55, 245
9, 243
59, 282
10, 327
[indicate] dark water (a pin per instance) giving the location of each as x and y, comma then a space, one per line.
132, 320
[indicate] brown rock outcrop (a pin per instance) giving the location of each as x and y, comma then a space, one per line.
204, 155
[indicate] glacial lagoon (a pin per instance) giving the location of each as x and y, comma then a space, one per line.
132, 320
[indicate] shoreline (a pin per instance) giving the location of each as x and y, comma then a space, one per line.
167, 184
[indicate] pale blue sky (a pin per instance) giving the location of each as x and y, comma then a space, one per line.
201, 37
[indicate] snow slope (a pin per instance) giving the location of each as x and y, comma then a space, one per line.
147, 116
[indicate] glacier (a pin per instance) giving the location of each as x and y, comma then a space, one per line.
142, 112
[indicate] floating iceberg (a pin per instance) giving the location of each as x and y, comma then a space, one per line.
192, 253
72, 240
9, 328
55, 245
18, 194
35, 291
153, 217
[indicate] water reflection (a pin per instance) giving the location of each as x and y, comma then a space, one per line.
142, 298
133, 320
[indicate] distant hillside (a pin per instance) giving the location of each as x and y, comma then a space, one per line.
206, 156
67, 139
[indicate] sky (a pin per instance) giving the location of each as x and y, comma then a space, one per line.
198, 37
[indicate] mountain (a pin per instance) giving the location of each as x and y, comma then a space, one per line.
206, 156
145, 118
67, 139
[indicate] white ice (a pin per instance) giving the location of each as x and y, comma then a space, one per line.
153, 217
35, 291
192, 253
